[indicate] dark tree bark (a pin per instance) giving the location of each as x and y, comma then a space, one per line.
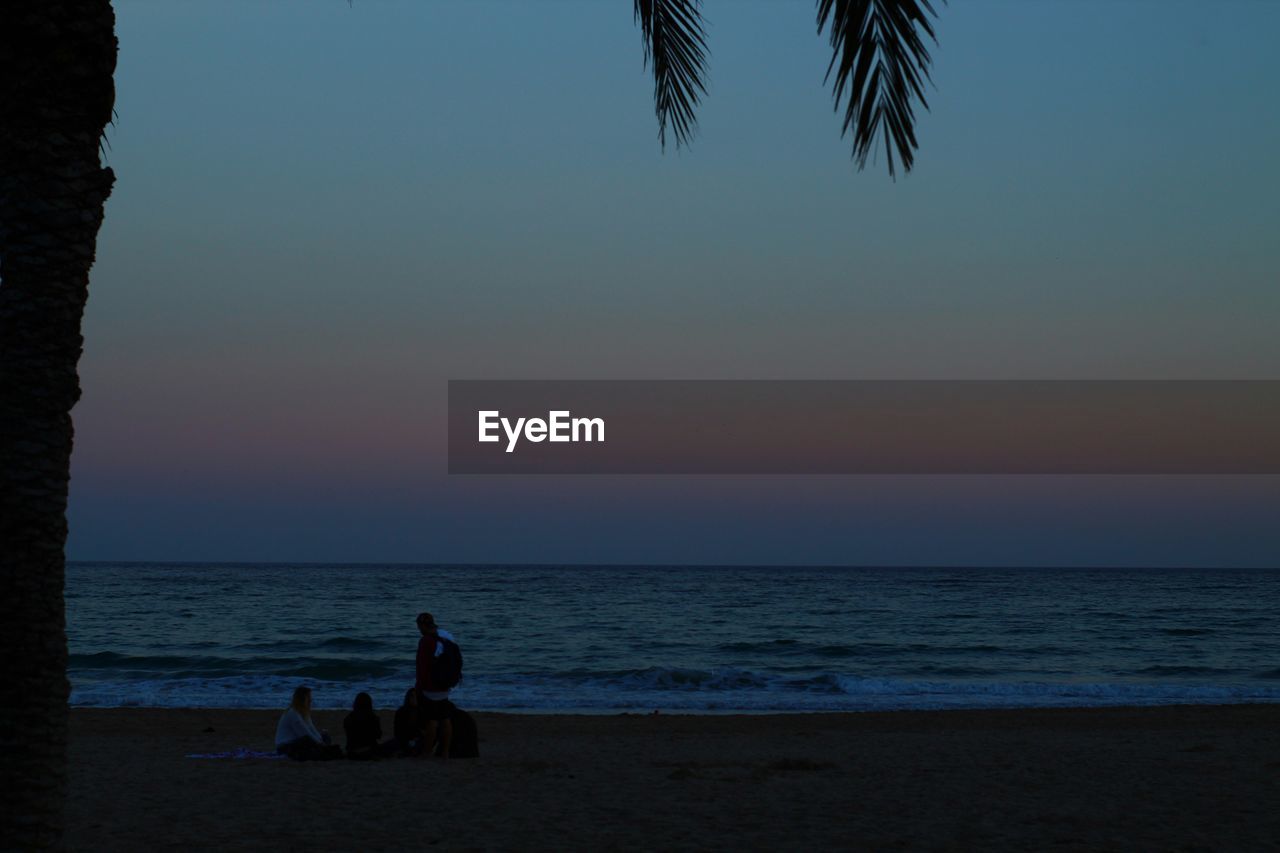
57, 58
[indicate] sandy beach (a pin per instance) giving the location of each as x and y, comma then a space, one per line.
1187, 778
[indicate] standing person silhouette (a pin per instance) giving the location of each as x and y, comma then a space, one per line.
439, 667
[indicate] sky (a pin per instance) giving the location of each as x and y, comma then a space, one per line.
324, 211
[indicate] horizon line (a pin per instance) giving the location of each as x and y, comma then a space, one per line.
621, 565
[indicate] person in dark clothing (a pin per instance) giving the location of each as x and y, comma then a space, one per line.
434, 701
408, 725
363, 729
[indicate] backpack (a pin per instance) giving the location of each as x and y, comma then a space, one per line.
446, 667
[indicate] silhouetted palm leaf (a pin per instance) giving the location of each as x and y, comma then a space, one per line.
881, 61
674, 43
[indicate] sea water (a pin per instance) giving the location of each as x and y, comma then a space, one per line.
684, 639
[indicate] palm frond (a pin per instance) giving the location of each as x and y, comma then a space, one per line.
881, 64
675, 45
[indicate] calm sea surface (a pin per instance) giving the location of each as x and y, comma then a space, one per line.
675, 638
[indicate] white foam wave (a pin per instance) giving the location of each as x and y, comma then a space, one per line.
672, 690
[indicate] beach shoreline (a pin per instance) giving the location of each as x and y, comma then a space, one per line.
1205, 776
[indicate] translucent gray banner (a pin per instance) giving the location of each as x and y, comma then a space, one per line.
863, 427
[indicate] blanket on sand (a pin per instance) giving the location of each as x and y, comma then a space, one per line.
238, 752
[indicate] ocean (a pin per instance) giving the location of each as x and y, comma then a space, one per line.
609, 639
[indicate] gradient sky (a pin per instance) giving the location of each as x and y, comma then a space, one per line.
324, 211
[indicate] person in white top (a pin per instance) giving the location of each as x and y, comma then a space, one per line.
298, 737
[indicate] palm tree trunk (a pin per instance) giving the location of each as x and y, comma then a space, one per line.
57, 58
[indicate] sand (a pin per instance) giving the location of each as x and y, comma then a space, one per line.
1186, 778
